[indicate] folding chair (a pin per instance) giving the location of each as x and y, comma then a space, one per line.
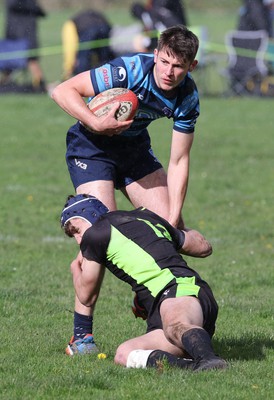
13, 54
246, 66
14, 66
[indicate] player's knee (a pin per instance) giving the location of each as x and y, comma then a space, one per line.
121, 355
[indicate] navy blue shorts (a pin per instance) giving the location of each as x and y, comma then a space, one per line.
121, 159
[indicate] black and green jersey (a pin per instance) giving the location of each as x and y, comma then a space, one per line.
140, 248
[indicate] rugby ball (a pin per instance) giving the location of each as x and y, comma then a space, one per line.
102, 103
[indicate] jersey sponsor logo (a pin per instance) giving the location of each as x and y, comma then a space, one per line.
122, 74
119, 74
140, 96
166, 292
106, 77
80, 164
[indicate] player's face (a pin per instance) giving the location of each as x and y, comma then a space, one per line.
169, 72
80, 226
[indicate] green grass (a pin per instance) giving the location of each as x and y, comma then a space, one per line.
230, 199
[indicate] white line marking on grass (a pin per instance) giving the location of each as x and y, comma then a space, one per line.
9, 238
54, 239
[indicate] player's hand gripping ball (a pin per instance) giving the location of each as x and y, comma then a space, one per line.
102, 103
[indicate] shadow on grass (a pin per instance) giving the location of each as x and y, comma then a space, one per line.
248, 347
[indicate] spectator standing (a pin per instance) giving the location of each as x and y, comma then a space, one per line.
256, 15
84, 27
175, 7
89, 40
21, 23
158, 15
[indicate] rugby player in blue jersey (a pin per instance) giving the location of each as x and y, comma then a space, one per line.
118, 155
143, 250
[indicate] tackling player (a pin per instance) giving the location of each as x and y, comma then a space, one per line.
142, 249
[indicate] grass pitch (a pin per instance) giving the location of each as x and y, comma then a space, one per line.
230, 199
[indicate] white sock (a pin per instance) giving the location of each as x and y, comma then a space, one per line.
138, 358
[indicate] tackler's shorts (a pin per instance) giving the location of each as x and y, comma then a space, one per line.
121, 159
205, 296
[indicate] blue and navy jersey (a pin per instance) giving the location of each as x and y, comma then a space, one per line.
135, 72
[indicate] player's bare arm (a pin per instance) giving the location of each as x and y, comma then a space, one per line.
87, 280
178, 172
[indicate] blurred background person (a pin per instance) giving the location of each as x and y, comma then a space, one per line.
270, 5
175, 8
158, 15
89, 40
256, 15
85, 27
21, 23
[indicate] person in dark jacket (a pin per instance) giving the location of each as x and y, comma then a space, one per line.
174, 7
256, 15
21, 23
80, 30
90, 40
158, 15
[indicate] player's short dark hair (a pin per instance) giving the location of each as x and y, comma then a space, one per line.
180, 42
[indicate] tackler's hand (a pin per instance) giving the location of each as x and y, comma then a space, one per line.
137, 310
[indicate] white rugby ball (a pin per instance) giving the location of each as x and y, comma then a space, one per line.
102, 103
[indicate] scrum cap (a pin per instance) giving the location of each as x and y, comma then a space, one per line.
82, 206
